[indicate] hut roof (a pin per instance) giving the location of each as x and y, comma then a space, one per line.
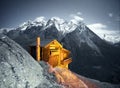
43, 42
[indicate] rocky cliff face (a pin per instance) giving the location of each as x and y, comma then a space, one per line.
18, 69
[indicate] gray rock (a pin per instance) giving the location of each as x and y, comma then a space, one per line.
18, 69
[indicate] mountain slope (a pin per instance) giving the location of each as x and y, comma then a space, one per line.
92, 56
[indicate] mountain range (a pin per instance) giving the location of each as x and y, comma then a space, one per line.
92, 56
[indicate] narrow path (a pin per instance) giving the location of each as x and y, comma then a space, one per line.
88, 82
68, 79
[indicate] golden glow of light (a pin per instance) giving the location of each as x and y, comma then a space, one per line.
38, 49
66, 78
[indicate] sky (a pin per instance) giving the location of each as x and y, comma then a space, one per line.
101, 14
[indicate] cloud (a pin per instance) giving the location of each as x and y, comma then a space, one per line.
79, 13
110, 14
97, 26
76, 17
101, 30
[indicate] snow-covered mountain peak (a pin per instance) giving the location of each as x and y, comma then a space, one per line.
75, 24
40, 21
24, 25
60, 24
65, 26
76, 20
57, 20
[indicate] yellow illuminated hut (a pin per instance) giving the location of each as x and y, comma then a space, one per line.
51, 51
